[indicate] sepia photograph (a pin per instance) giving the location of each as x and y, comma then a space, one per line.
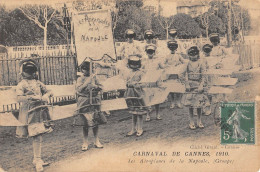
129, 85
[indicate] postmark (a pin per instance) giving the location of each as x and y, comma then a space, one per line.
238, 123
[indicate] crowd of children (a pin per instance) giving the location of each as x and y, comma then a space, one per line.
139, 95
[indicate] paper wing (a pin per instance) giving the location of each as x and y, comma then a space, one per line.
174, 86
8, 119
176, 69
61, 112
114, 104
221, 81
219, 90
151, 76
155, 96
114, 83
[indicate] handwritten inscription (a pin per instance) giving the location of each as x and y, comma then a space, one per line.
88, 38
93, 21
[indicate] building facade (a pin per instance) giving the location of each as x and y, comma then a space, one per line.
192, 8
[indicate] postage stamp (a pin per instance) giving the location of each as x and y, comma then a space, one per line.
238, 123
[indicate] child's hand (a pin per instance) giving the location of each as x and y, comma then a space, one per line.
36, 97
138, 85
187, 86
200, 89
188, 89
97, 87
130, 85
45, 98
91, 86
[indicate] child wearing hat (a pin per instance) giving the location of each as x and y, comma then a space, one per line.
217, 50
33, 95
173, 33
149, 40
149, 37
130, 47
88, 104
174, 59
134, 96
152, 64
207, 48
195, 83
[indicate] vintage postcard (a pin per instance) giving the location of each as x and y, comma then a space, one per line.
129, 85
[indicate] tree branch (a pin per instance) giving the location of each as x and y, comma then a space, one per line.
48, 20
32, 18
161, 23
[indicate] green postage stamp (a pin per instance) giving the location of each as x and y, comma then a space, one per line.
238, 123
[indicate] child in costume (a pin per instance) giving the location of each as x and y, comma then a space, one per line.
217, 50
33, 95
88, 104
134, 96
130, 47
152, 64
195, 83
171, 60
105, 69
207, 48
149, 40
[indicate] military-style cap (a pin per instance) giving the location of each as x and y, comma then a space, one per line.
172, 32
172, 45
150, 47
214, 37
193, 51
130, 33
134, 62
207, 48
29, 66
148, 34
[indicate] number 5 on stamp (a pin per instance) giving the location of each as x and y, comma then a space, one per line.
238, 123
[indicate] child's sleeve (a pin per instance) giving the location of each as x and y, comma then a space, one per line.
20, 93
225, 52
21, 96
139, 50
161, 64
203, 72
181, 60
44, 90
122, 51
97, 82
82, 84
79, 85
165, 62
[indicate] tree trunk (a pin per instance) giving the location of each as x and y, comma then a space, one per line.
45, 39
167, 30
207, 32
207, 27
229, 34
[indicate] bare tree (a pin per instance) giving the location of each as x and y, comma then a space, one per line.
165, 23
40, 15
205, 23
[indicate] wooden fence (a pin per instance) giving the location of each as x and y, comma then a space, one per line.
59, 70
249, 55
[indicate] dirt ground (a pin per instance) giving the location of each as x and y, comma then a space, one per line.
65, 142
